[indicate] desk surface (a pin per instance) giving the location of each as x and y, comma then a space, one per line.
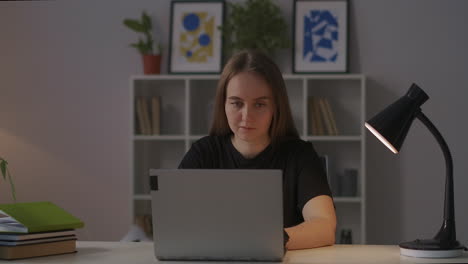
142, 252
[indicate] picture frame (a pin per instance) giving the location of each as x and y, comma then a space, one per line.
195, 44
320, 36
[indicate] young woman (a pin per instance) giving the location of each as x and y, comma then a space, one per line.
253, 129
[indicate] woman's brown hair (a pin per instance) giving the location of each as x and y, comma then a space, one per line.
282, 124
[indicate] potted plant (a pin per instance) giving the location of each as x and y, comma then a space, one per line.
7, 176
256, 24
150, 51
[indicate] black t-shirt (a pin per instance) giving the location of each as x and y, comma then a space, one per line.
303, 174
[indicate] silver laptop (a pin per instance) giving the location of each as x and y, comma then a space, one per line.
203, 214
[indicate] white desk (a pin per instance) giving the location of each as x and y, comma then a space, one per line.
142, 252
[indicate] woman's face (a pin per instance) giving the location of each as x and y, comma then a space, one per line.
249, 107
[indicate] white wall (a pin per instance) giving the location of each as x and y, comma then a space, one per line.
64, 106
396, 43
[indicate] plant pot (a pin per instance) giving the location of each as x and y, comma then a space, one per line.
151, 64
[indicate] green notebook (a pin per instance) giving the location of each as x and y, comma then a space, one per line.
35, 217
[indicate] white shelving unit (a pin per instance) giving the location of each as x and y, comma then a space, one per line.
186, 106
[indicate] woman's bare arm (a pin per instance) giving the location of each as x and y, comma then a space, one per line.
318, 228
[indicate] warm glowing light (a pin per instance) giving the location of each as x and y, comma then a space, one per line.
382, 139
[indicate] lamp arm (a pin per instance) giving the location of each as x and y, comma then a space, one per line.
447, 231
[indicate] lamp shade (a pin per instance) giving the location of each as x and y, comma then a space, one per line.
392, 124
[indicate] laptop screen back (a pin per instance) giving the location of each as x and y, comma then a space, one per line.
205, 214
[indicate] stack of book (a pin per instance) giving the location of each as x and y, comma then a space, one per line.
36, 229
148, 115
321, 117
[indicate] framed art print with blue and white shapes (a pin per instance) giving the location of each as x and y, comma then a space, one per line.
320, 37
195, 40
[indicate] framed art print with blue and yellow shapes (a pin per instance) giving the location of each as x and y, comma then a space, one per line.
195, 40
320, 36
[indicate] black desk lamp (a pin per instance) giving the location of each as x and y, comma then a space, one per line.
391, 126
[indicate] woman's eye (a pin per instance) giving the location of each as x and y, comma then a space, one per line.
260, 105
236, 104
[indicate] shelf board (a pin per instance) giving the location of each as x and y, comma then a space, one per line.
158, 137
142, 197
178, 77
147, 197
343, 76
332, 138
171, 77
347, 199
196, 137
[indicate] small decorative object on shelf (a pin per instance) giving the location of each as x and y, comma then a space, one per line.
320, 36
255, 24
346, 236
195, 41
148, 48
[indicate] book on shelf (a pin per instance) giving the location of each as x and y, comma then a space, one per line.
321, 117
326, 118
318, 118
156, 114
142, 116
139, 114
38, 249
313, 129
35, 217
148, 115
331, 117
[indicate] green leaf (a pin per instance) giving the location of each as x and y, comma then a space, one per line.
12, 187
5, 173
134, 25
146, 22
255, 24
144, 26
3, 167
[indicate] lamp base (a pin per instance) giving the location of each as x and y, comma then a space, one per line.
431, 248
